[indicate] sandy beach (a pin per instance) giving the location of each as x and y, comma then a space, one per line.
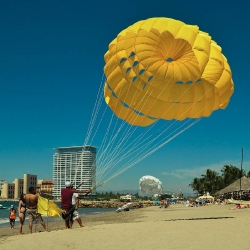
177, 227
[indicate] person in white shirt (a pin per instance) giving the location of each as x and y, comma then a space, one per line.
75, 202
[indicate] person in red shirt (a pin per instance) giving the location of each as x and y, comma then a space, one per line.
66, 202
12, 216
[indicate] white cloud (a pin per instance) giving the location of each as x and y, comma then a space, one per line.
198, 171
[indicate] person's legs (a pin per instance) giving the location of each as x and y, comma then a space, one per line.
31, 218
79, 221
71, 216
30, 226
65, 217
44, 225
39, 217
11, 223
20, 228
22, 218
67, 223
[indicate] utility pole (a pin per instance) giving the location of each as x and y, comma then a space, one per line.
241, 169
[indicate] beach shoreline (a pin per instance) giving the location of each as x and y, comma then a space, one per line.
175, 227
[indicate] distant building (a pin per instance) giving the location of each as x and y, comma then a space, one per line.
127, 197
8, 190
75, 164
19, 186
2, 182
29, 180
45, 186
19, 183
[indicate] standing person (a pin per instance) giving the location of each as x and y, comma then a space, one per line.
21, 212
75, 202
66, 202
12, 216
31, 200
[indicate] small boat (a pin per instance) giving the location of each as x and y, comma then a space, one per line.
126, 207
2, 207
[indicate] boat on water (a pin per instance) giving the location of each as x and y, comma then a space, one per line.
2, 207
125, 207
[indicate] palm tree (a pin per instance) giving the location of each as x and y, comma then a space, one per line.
197, 185
210, 179
231, 174
248, 175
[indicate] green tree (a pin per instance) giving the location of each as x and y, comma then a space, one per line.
231, 173
198, 185
210, 181
248, 175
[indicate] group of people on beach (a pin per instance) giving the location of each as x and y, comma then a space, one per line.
198, 202
29, 203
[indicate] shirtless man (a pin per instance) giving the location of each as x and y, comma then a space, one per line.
31, 200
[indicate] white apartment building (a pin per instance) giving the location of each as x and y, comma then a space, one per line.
76, 164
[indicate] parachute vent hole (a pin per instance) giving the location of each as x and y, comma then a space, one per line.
198, 80
141, 71
125, 105
138, 112
109, 87
123, 60
144, 86
131, 54
114, 94
169, 59
134, 78
179, 82
135, 63
127, 70
189, 82
150, 78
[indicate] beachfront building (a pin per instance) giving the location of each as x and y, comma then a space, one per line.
238, 190
2, 182
8, 190
18, 186
29, 180
127, 197
45, 186
77, 165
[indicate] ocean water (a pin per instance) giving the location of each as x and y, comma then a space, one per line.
4, 213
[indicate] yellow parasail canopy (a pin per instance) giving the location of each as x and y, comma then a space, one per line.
161, 68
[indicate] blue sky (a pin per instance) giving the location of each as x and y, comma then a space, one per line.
51, 67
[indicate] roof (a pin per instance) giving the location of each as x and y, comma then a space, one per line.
47, 181
235, 186
79, 147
